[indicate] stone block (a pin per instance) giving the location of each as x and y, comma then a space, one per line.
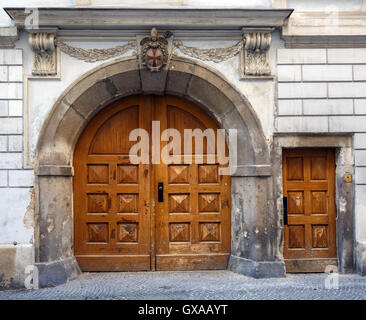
21, 178
127, 83
360, 157
347, 124
15, 73
11, 91
14, 203
98, 94
289, 73
3, 73
327, 73
4, 108
208, 95
13, 261
361, 257
57, 272
177, 83
289, 107
302, 90
347, 89
11, 56
15, 143
360, 106
3, 143
360, 176
3, 178
11, 125
328, 106
153, 82
11, 161
302, 124
301, 56
348, 55
360, 140
15, 108
359, 72
257, 269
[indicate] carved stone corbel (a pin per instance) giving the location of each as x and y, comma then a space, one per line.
255, 55
44, 48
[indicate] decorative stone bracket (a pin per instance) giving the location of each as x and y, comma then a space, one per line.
255, 52
45, 53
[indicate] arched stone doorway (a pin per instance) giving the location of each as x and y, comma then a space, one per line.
256, 229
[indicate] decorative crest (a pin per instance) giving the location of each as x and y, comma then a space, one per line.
154, 50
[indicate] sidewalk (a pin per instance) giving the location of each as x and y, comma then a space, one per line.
212, 285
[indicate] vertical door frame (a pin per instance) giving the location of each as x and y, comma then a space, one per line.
344, 192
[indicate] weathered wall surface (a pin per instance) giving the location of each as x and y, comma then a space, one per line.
16, 212
324, 91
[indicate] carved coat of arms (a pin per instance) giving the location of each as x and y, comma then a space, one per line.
154, 51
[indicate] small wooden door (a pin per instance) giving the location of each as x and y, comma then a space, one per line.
308, 185
119, 223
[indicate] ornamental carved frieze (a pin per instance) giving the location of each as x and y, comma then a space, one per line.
256, 61
44, 49
154, 50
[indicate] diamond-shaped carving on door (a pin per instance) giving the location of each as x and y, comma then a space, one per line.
209, 202
127, 232
210, 231
179, 232
179, 203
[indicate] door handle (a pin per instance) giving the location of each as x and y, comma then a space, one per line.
285, 218
160, 192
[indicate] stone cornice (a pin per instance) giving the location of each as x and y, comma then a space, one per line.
117, 22
325, 29
8, 35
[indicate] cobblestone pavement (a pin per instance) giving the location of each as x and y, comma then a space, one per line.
215, 285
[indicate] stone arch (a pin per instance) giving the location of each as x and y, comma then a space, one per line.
122, 77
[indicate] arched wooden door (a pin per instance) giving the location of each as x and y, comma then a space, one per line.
121, 220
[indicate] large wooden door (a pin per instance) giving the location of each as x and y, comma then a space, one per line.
193, 221
119, 223
308, 184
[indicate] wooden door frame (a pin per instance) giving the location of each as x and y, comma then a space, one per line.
344, 192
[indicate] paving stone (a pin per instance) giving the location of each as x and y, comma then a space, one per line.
205, 285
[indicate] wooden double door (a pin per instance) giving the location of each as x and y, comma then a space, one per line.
310, 231
148, 216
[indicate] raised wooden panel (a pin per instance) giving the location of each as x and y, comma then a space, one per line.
180, 120
209, 231
98, 174
97, 202
127, 232
295, 168
295, 202
318, 168
97, 232
319, 202
208, 173
127, 174
178, 174
112, 136
296, 236
209, 202
319, 236
179, 232
128, 203
179, 203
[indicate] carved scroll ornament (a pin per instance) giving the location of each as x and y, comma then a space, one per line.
43, 46
256, 53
